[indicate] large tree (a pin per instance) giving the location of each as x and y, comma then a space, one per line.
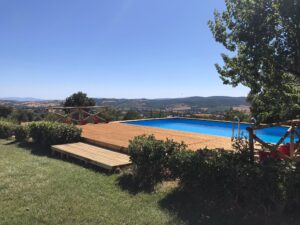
79, 99
263, 37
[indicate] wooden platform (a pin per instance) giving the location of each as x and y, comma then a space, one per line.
95, 155
117, 135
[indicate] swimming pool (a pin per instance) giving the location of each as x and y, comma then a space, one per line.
218, 128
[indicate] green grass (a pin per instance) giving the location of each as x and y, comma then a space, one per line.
41, 190
38, 189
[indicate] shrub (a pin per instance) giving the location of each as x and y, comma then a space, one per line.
222, 173
51, 133
6, 129
21, 133
205, 168
151, 157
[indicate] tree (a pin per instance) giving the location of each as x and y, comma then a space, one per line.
263, 37
5, 111
111, 114
132, 115
231, 114
79, 99
22, 115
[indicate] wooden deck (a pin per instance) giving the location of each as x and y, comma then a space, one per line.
95, 155
117, 135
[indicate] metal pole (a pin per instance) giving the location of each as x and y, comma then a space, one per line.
232, 137
251, 143
292, 137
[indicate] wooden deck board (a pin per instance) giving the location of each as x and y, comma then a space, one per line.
95, 155
117, 136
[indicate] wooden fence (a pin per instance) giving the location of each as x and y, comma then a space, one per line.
79, 115
291, 130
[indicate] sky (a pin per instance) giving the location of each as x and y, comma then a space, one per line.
50, 49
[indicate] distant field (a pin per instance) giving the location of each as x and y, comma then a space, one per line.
31, 104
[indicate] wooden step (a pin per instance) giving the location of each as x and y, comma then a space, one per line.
98, 156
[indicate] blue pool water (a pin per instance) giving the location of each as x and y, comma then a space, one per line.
218, 128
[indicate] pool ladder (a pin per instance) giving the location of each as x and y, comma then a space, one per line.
237, 119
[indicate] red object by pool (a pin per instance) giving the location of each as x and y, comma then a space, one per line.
82, 122
284, 149
96, 120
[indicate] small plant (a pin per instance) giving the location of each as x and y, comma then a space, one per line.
51, 133
151, 158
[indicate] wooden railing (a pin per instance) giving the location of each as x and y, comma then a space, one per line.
79, 115
291, 130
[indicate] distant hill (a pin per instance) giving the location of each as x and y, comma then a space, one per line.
25, 99
209, 104
191, 104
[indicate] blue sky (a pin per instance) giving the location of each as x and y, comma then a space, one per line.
109, 48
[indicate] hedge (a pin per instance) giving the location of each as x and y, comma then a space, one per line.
51, 133
274, 183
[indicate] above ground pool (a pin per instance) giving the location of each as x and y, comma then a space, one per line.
218, 128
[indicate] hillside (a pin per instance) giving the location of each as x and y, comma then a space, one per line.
190, 104
208, 104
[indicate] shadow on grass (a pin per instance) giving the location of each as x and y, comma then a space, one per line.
128, 183
204, 208
35, 149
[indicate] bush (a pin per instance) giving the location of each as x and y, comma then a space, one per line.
205, 168
151, 157
6, 129
21, 133
51, 133
230, 175
223, 173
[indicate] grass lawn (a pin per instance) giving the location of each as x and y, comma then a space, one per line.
38, 189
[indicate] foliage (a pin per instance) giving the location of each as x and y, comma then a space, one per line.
230, 114
51, 117
155, 113
79, 99
5, 111
151, 157
111, 114
22, 115
8, 120
279, 108
263, 38
21, 133
6, 129
132, 115
50, 133
272, 185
